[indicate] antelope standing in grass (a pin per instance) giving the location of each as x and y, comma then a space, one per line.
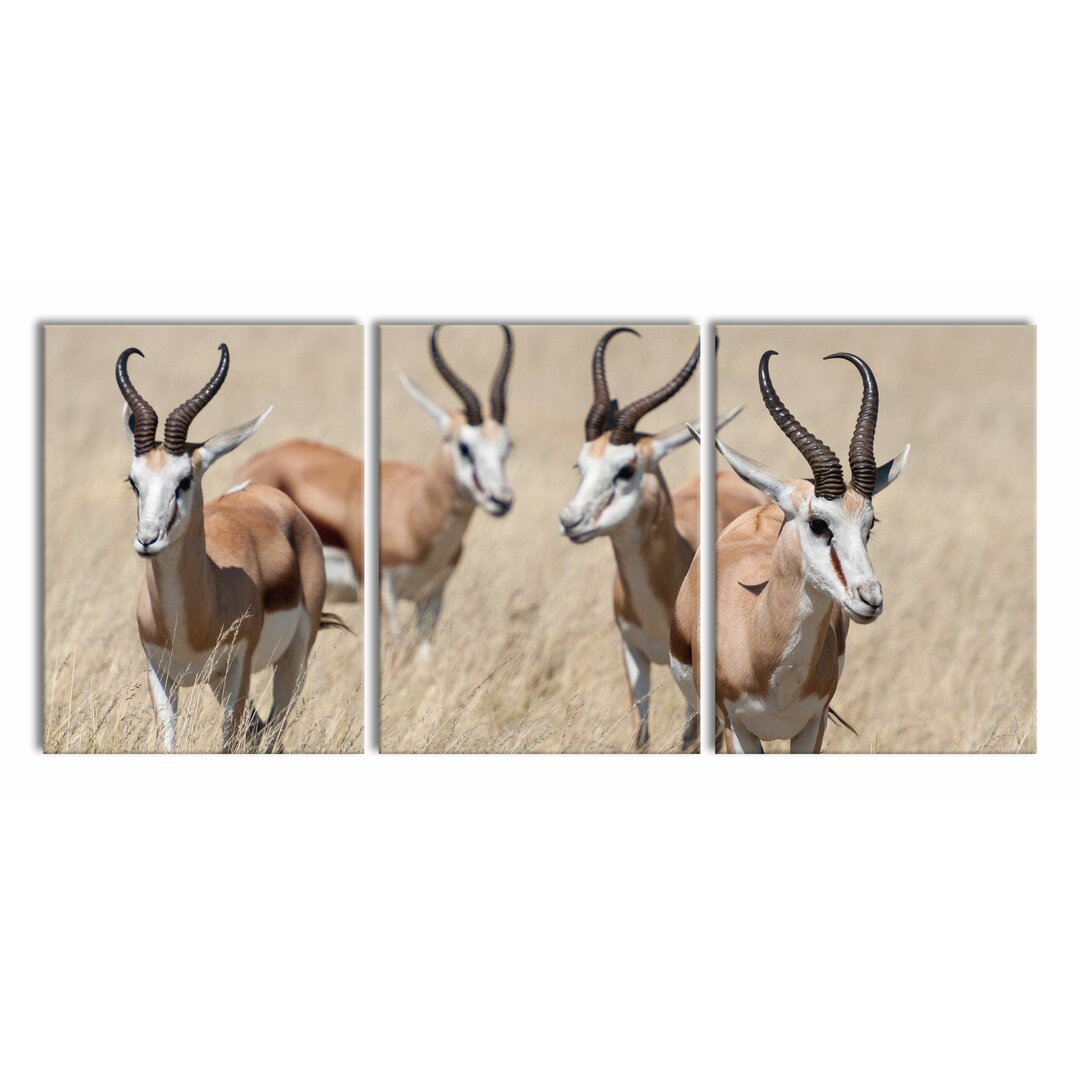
230, 587
424, 510
789, 577
654, 532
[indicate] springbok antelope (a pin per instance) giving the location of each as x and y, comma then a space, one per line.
789, 577
654, 532
231, 587
423, 509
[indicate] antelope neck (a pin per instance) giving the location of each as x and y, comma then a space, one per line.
440, 502
791, 604
179, 580
649, 548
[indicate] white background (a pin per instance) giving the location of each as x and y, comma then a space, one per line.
540, 917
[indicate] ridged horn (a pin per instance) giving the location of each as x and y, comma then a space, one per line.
498, 384
145, 418
828, 475
628, 417
473, 413
600, 418
179, 420
861, 450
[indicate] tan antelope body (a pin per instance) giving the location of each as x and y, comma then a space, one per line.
654, 532
790, 576
231, 587
424, 510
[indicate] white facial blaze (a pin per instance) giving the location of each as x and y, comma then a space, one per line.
167, 485
608, 492
833, 533
480, 454
836, 560
165, 497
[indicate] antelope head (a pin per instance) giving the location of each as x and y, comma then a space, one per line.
833, 518
167, 476
479, 445
615, 457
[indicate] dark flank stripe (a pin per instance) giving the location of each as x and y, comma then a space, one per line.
282, 594
680, 649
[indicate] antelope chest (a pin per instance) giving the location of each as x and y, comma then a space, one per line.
186, 665
650, 629
654, 646
786, 707
776, 715
413, 581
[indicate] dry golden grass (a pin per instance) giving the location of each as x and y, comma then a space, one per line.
950, 665
527, 656
96, 698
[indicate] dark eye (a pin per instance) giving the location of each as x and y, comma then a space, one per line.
625, 473
133, 486
184, 484
466, 453
820, 527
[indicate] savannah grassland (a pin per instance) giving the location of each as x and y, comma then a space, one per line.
527, 656
950, 664
95, 693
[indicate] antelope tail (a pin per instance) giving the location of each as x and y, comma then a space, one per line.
840, 720
329, 621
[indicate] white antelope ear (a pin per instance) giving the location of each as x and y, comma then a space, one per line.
669, 440
769, 483
431, 407
726, 419
891, 470
227, 441
129, 424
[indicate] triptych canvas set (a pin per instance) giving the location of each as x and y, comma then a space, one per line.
552, 572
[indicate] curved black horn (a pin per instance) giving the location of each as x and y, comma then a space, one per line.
828, 475
144, 416
599, 417
628, 417
473, 413
498, 384
861, 450
179, 420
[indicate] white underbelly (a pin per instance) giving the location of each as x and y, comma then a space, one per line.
278, 631
341, 583
684, 677
774, 717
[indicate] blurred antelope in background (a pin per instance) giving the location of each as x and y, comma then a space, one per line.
654, 532
789, 577
423, 509
230, 588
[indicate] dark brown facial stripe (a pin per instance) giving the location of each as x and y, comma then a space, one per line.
610, 500
836, 566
